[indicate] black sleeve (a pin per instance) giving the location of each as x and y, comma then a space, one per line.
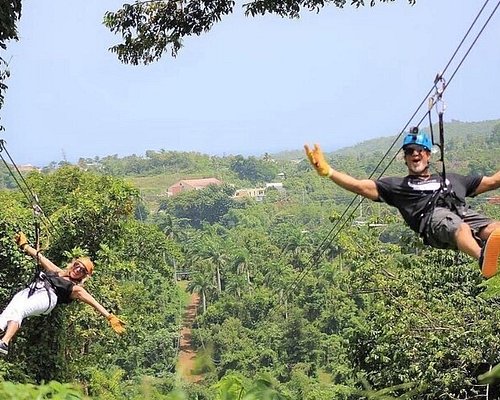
469, 183
473, 182
385, 188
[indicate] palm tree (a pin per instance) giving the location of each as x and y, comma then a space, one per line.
240, 263
209, 248
201, 283
213, 254
297, 242
235, 285
212, 248
172, 227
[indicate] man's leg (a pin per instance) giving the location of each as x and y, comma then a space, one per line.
466, 242
485, 233
491, 251
466, 233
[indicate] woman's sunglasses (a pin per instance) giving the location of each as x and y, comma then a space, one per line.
80, 268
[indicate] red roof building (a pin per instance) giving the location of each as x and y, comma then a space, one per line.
191, 184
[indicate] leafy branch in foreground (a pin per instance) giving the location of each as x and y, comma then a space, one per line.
149, 28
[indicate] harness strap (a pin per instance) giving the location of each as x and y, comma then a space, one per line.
47, 285
444, 197
38, 272
437, 101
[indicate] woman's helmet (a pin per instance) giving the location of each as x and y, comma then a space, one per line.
89, 265
416, 137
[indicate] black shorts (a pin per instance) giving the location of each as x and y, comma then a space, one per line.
442, 226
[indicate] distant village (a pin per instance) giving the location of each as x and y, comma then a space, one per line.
257, 194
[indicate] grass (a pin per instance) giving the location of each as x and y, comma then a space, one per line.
153, 188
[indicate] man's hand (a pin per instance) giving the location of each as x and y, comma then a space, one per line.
317, 160
116, 323
21, 240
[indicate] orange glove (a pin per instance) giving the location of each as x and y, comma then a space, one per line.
317, 160
21, 240
116, 323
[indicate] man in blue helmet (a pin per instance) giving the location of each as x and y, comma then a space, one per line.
436, 210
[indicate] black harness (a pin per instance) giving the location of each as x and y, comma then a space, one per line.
52, 282
445, 197
41, 278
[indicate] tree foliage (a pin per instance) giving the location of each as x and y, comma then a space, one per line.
149, 28
253, 169
92, 214
374, 314
199, 206
10, 12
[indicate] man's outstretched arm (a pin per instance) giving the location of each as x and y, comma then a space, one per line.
364, 187
489, 183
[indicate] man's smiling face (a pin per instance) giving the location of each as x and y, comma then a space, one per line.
417, 159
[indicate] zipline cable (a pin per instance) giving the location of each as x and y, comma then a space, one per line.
29, 196
445, 86
26, 190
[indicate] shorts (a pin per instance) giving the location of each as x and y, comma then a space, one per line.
443, 224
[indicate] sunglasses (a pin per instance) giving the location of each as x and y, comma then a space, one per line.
410, 149
80, 268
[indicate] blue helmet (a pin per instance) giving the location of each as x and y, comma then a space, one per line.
420, 138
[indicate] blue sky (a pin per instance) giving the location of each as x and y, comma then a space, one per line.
250, 86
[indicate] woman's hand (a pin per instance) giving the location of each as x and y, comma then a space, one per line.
21, 240
116, 323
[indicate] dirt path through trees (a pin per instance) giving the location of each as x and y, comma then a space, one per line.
187, 354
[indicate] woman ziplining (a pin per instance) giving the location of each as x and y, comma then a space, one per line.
434, 208
50, 287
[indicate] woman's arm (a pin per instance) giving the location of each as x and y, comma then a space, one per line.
46, 264
79, 293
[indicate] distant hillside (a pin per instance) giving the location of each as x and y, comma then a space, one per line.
471, 147
453, 130
288, 155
